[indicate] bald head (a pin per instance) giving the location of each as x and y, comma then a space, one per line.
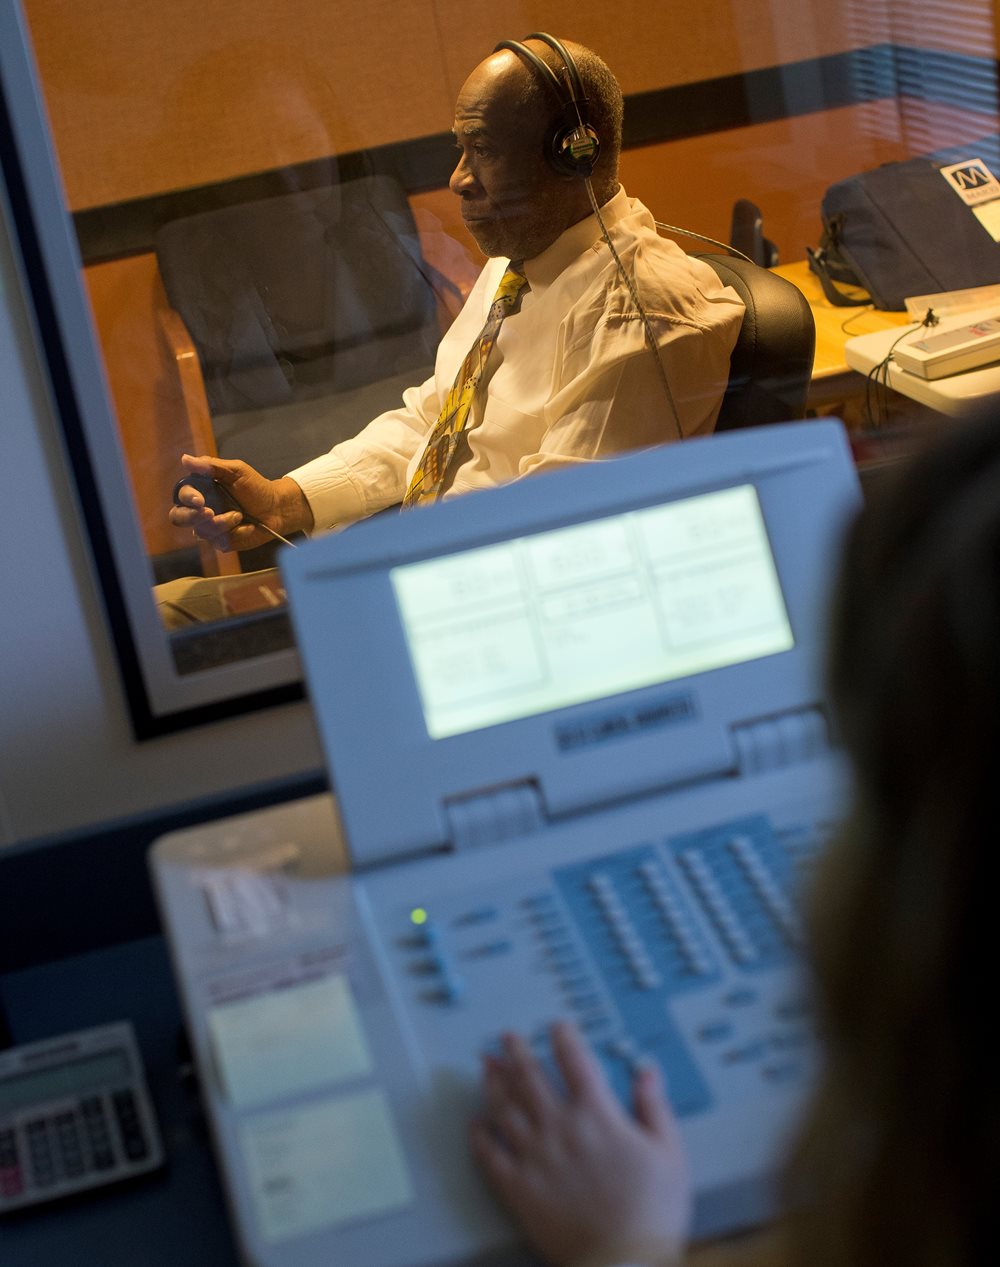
513, 201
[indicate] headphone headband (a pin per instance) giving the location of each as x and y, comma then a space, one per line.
574, 146
572, 71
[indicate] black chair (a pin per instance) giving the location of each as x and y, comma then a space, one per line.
308, 313
771, 364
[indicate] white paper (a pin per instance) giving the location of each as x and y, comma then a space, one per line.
988, 216
245, 903
325, 1164
285, 1041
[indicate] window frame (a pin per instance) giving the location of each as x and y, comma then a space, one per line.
159, 698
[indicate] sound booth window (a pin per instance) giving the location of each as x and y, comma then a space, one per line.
263, 252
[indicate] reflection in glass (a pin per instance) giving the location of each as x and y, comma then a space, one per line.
270, 250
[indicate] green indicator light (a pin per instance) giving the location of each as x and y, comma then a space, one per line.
418, 915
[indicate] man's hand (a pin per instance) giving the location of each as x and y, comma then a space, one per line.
586, 1183
281, 504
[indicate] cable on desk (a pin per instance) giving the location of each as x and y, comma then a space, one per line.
861, 312
877, 383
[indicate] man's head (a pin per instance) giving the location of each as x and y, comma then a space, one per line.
514, 202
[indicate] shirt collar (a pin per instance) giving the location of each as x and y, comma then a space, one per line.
545, 268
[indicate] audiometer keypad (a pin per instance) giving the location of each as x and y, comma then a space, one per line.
666, 951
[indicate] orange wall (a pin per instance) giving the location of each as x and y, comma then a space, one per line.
146, 97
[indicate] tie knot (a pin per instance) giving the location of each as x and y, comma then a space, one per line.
511, 285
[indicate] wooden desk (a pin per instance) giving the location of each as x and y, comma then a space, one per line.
833, 380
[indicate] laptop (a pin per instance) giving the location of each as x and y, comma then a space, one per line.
580, 755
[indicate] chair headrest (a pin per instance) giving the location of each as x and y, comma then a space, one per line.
297, 276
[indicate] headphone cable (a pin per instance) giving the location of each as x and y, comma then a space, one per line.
689, 233
639, 308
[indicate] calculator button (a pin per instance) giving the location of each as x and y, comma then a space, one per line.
42, 1171
133, 1140
98, 1136
124, 1102
95, 1118
40, 1152
11, 1183
66, 1130
95, 1121
135, 1146
11, 1176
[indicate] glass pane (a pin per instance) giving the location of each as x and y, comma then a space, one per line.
270, 251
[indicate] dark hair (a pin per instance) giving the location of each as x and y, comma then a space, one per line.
896, 1159
605, 106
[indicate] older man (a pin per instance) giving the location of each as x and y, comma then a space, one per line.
567, 371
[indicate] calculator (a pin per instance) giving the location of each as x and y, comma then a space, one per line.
75, 1113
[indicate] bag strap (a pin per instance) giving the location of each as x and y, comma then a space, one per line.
818, 264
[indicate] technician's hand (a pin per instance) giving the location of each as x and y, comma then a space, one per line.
280, 504
586, 1183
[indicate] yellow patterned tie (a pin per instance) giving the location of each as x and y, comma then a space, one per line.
432, 470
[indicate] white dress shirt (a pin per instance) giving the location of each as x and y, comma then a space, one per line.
571, 377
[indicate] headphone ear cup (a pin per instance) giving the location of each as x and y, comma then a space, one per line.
574, 146
575, 150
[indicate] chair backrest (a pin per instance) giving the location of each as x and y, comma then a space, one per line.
302, 294
771, 364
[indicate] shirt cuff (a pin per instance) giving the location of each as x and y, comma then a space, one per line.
334, 495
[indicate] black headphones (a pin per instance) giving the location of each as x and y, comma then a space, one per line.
574, 146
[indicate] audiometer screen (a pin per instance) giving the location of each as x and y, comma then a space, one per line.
576, 614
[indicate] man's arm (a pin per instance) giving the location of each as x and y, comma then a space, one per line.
368, 472
618, 401
356, 478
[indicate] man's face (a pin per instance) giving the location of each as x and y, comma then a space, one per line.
513, 204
